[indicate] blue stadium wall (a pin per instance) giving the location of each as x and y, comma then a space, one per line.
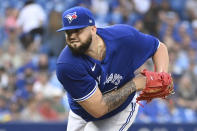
62, 127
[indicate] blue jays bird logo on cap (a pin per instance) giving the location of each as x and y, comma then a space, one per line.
71, 16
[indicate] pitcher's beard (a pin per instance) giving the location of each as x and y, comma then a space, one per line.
82, 48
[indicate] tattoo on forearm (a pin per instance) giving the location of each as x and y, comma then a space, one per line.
115, 98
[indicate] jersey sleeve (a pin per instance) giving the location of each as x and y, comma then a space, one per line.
76, 81
142, 47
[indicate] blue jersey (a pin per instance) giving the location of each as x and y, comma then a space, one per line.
126, 50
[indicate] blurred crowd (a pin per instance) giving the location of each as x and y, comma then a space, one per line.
30, 45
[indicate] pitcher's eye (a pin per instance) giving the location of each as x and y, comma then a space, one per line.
79, 30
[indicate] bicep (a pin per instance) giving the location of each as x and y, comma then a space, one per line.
161, 58
95, 105
83, 89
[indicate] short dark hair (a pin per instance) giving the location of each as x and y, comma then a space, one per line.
28, 2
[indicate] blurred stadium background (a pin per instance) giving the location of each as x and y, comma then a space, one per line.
32, 99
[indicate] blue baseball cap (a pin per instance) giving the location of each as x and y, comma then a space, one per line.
76, 17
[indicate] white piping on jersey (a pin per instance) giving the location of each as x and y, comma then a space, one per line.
110, 90
88, 95
158, 44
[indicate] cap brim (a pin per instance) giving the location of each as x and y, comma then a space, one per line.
71, 28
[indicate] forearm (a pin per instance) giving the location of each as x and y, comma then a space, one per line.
115, 98
161, 59
100, 104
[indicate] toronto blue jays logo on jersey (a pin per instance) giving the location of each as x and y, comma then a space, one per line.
71, 16
113, 78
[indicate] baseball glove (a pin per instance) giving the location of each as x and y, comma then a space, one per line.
158, 85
